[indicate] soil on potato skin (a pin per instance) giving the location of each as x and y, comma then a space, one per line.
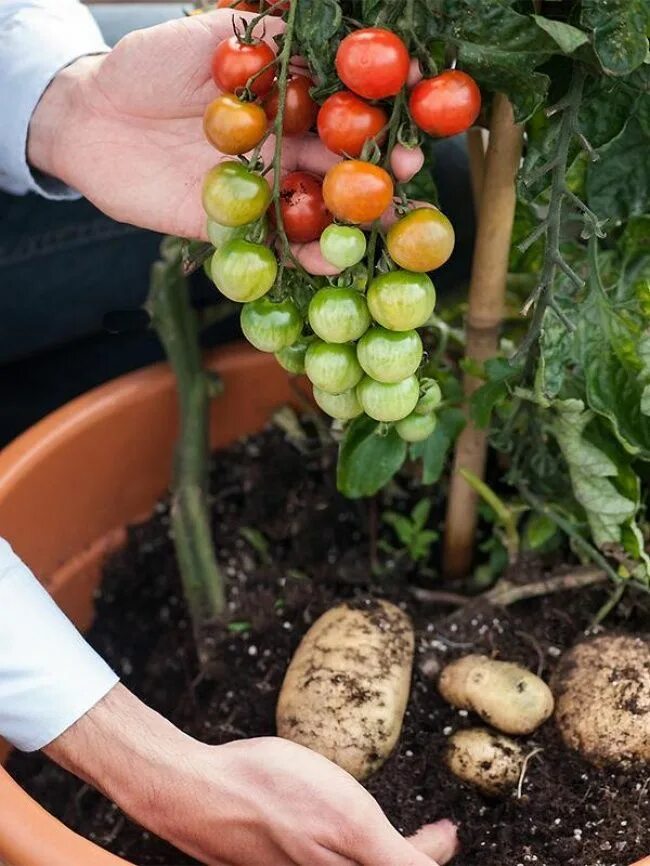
313, 551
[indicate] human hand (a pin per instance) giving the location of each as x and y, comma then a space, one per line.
125, 128
262, 802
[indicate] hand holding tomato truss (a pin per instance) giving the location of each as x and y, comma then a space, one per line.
343, 295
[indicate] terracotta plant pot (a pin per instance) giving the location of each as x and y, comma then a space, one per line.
68, 489
70, 486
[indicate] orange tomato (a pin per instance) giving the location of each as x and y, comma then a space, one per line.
232, 126
421, 241
357, 191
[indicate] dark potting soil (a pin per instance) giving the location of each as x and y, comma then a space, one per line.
291, 547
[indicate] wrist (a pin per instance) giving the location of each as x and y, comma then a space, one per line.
63, 107
128, 752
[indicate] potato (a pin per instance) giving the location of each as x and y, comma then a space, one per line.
346, 689
505, 695
602, 689
488, 761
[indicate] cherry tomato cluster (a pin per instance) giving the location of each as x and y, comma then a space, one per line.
356, 336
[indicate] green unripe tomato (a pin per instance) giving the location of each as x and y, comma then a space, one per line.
233, 195
292, 359
401, 300
431, 397
219, 235
416, 428
271, 326
338, 315
343, 246
341, 406
243, 271
332, 367
388, 401
389, 356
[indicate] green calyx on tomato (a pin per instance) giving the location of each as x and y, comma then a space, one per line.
343, 406
401, 300
416, 428
233, 195
338, 315
388, 401
332, 367
219, 235
421, 241
271, 326
243, 271
389, 356
431, 397
292, 359
343, 246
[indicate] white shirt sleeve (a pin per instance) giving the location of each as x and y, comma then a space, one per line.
49, 675
37, 39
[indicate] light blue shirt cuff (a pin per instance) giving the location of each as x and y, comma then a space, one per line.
38, 38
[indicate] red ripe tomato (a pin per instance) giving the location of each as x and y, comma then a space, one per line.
300, 110
234, 62
242, 6
346, 122
356, 191
373, 63
303, 209
447, 104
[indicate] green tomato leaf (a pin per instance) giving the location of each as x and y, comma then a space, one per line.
618, 184
567, 36
619, 29
368, 459
606, 107
435, 449
499, 372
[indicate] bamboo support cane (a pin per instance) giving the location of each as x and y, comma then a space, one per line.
476, 155
485, 313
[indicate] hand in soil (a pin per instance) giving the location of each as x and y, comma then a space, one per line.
263, 801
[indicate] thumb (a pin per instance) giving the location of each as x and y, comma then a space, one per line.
439, 841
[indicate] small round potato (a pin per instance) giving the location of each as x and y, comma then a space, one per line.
505, 695
488, 761
346, 689
602, 689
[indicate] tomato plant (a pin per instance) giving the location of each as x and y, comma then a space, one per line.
416, 427
232, 125
447, 104
292, 358
356, 191
338, 315
343, 246
233, 195
389, 356
236, 61
389, 401
373, 62
300, 109
332, 367
346, 123
303, 209
343, 407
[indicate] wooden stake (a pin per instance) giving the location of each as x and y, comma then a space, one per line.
476, 154
486, 302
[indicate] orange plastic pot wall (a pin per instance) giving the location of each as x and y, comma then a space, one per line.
68, 489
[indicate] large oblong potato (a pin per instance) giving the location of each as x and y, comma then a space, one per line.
602, 689
506, 695
488, 761
346, 689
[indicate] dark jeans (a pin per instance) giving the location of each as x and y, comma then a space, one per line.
64, 267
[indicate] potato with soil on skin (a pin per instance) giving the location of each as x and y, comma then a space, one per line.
488, 761
346, 689
506, 695
602, 689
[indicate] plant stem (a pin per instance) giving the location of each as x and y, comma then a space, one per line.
486, 304
503, 514
177, 326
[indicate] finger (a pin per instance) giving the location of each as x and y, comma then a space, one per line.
308, 153
311, 258
406, 162
415, 73
438, 841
